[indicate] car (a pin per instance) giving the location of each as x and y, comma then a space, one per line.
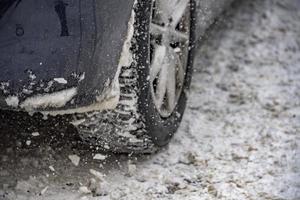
119, 71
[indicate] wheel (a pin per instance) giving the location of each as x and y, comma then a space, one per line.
153, 86
171, 59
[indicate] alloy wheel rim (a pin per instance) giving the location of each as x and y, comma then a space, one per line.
169, 50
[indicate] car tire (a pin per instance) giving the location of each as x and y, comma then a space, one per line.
137, 124
161, 125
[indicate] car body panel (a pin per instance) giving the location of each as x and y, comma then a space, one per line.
39, 56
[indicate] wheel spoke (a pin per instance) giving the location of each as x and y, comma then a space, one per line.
171, 85
178, 11
169, 31
157, 63
162, 86
180, 70
157, 29
178, 36
165, 8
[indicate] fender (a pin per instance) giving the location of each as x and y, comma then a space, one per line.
62, 54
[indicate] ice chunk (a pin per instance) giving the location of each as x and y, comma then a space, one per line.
35, 134
51, 168
99, 156
61, 80
74, 159
85, 190
44, 190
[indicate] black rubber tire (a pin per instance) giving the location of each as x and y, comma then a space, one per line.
160, 129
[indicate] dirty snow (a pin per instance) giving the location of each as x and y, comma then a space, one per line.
239, 138
12, 101
49, 100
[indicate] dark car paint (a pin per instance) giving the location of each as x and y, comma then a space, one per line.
49, 39
42, 40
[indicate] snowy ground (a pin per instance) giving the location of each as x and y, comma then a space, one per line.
240, 136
